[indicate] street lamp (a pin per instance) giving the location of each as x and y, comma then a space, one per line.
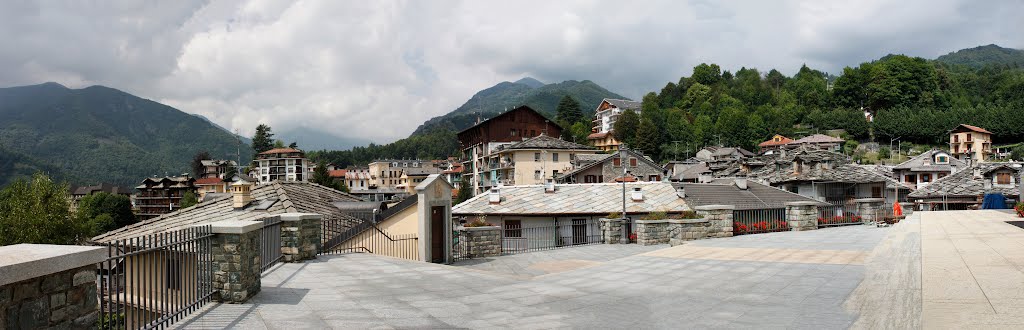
622, 161
890, 146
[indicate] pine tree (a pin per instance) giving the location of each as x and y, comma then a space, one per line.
263, 139
568, 111
197, 163
188, 199
465, 190
322, 177
648, 138
625, 129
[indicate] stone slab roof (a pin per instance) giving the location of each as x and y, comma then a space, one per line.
965, 183
287, 197
818, 138
925, 162
575, 199
624, 104
726, 191
544, 141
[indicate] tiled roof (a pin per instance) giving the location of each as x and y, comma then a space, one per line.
964, 183
595, 136
971, 128
769, 143
209, 181
601, 158
624, 104
819, 138
280, 151
103, 187
692, 171
725, 191
290, 197
548, 142
925, 162
217, 162
726, 151
579, 199
337, 173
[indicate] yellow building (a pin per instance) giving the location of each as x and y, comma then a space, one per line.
534, 160
604, 122
971, 144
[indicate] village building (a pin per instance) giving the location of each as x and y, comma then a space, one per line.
697, 172
607, 112
387, 174
820, 141
926, 168
77, 193
212, 185
970, 144
452, 172
609, 168
481, 143
966, 188
740, 193
157, 196
216, 168
281, 164
535, 160
715, 154
778, 142
359, 178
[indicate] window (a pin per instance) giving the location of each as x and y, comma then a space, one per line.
925, 178
536, 156
572, 157
956, 138
969, 137
632, 162
617, 162
554, 157
537, 175
910, 178
942, 160
512, 132
513, 228
1002, 178
590, 179
173, 273
654, 178
876, 192
554, 173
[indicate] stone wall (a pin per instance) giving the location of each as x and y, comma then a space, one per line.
63, 300
679, 231
49, 286
611, 231
719, 218
802, 215
482, 242
300, 236
868, 208
235, 247
652, 232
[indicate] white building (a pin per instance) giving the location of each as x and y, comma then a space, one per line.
282, 164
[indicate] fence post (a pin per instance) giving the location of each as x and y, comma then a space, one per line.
235, 247
866, 208
49, 286
611, 231
720, 217
300, 236
482, 242
802, 215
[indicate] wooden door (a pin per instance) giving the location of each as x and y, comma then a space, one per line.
437, 240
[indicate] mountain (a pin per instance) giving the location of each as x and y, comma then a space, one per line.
100, 134
313, 139
982, 56
526, 91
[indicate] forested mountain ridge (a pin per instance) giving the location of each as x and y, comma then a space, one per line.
507, 95
100, 134
988, 55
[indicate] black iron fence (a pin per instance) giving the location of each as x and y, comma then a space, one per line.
519, 239
838, 215
759, 221
155, 280
270, 242
339, 236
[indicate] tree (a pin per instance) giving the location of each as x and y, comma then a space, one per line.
465, 190
263, 140
578, 132
648, 138
568, 111
278, 144
197, 163
37, 211
884, 153
1017, 153
322, 177
626, 127
189, 199
106, 211
293, 145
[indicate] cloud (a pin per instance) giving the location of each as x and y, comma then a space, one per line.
377, 69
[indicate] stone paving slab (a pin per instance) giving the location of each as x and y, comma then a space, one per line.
543, 262
637, 291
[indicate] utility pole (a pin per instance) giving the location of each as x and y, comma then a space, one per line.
622, 160
891, 140
675, 151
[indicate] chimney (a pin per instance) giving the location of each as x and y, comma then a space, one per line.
549, 186
741, 183
494, 196
241, 194
638, 195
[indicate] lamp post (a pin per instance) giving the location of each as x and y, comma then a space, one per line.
890, 145
622, 161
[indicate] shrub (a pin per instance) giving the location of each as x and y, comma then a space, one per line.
614, 215
658, 215
478, 222
1020, 209
685, 215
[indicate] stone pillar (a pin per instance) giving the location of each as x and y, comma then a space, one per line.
802, 215
49, 286
908, 208
719, 217
300, 236
652, 232
482, 242
611, 231
867, 208
235, 247
681, 230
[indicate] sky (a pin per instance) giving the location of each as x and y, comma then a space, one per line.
378, 69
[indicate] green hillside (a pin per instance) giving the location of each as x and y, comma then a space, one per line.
100, 134
526, 91
981, 56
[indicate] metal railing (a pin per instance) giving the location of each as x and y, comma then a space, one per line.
759, 221
155, 280
270, 243
519, 239
339, 237
838, 215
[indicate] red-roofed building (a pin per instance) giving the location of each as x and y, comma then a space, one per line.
777, 142
211, 185
971, 144
337, 174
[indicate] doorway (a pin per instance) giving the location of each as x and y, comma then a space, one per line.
579, 231
437, 229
